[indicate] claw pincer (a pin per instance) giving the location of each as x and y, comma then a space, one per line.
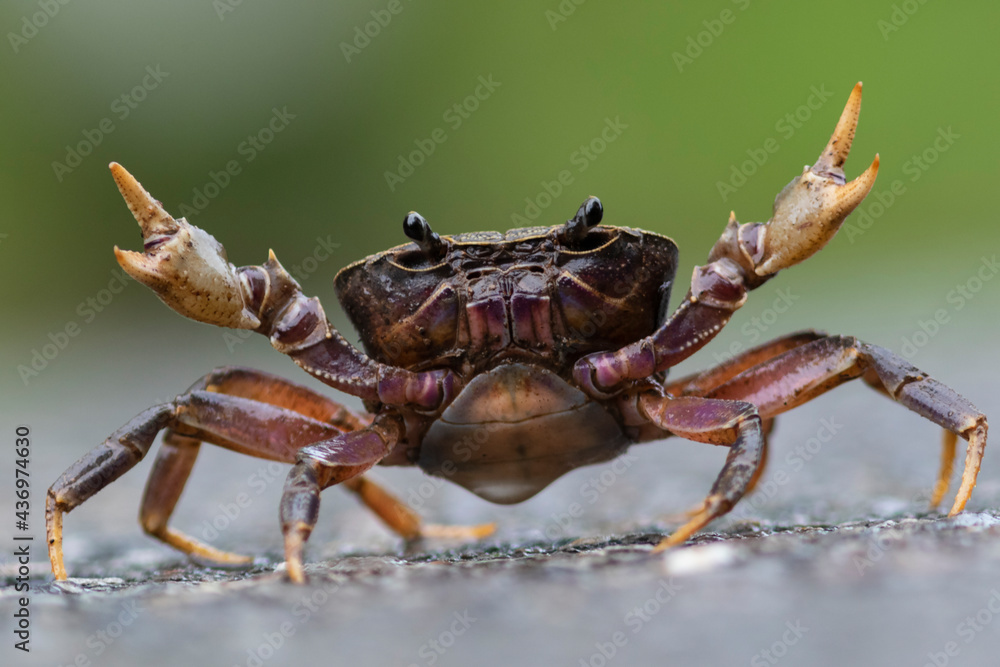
184, 265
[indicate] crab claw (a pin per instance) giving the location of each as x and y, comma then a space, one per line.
810, 209
184, 265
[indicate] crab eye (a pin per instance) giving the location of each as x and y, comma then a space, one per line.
590, 214
415, 226
593, 212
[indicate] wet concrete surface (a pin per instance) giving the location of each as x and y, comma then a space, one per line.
835, 560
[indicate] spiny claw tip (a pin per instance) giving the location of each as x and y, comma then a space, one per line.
149, 213
136, 264
839, 147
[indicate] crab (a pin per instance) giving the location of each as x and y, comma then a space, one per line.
498, 361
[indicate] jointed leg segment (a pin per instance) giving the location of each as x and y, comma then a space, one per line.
735, 424
778, 376
265, 430
322, 465
805, 372
402, 520
254, 413
171, 468
95, 470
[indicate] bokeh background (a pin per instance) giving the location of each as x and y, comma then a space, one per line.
700, 92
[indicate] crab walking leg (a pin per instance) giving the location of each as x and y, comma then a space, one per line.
276, 390
807, 214
243, 425
322, 465
701, 383
949, 442
188, 270
394, 513
402, 520
267, 388
805, 372
95, 470
178, 453
949, 445
170, 472
735, 424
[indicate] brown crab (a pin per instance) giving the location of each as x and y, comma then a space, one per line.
498, 361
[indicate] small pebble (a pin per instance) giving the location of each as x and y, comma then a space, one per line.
694, 560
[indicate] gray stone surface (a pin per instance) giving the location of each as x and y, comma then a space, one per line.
864, 592
837, 564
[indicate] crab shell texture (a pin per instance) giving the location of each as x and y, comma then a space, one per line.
510, 314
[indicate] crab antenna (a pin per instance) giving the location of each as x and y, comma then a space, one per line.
149, 213
835, 154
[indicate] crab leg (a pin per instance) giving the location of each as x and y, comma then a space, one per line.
805, 372
178, 453
735, 424
240, 424
703, 383
95, 470
949, 444
322, 465
700, 384
807, 213
259, 404
402, 520
189, 271
170, 472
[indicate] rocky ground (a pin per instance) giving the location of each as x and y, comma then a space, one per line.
835, 560
897, 591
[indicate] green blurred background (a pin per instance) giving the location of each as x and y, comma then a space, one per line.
324, 174
701, 87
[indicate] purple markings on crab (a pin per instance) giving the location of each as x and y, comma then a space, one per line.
436, 320
601, 374
338, 364
431, 329
489, 328
298, 325
719, 284
532, 318
255, 284
357, 449
255, 428
427, 390
583, 307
